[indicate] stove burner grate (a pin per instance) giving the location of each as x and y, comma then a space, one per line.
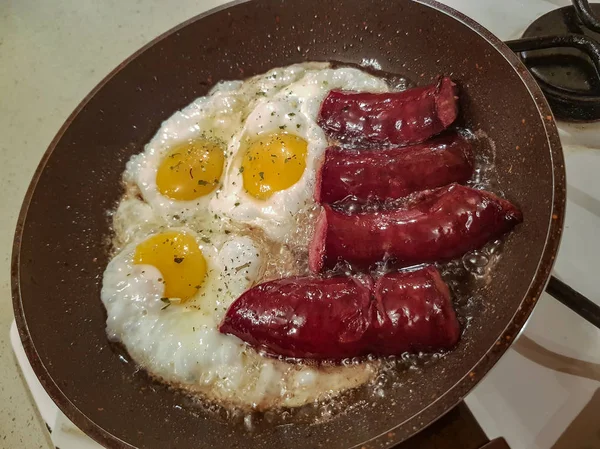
561, 49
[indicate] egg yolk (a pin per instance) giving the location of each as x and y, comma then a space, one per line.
178, 258
190, 170
273, 163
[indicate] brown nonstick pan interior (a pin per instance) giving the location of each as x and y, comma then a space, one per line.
61, 247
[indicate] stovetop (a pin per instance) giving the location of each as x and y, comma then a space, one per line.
545, 392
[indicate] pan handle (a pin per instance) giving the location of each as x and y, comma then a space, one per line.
574, 300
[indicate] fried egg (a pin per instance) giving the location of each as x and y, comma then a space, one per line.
165, 296
271, 179
211, 205
180, 169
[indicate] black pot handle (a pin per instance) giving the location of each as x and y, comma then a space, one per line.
574, 300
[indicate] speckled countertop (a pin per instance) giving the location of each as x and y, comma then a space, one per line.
52, 53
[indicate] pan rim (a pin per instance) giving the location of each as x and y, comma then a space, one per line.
551, 244
450, 397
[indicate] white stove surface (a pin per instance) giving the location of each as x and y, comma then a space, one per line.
545, 392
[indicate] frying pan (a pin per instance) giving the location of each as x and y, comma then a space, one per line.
61, 250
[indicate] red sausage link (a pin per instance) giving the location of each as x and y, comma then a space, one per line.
394, 118
343, 317
413, 312
393, 172
435, 225
304, 317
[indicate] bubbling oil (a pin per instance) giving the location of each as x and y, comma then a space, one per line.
464, 276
